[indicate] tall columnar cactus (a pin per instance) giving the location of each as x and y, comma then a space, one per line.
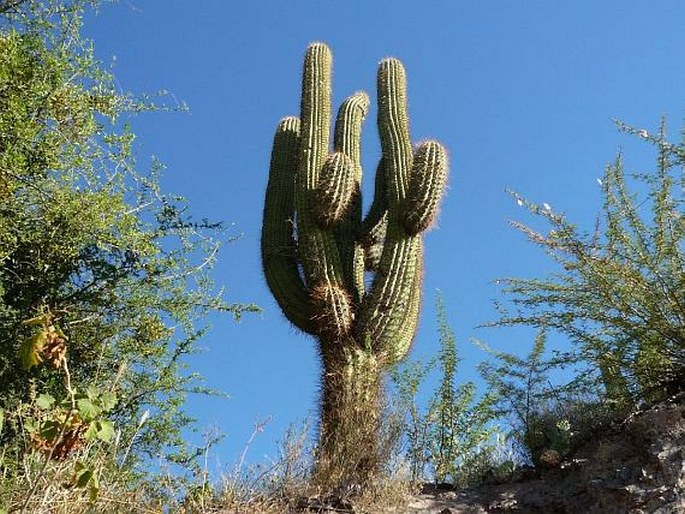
316, 248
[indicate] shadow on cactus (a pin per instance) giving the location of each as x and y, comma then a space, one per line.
316, 248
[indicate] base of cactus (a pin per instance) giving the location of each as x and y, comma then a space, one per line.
348, 454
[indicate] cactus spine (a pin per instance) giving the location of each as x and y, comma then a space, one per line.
316, 248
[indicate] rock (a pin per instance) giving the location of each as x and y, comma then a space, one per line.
635, 467
550, 459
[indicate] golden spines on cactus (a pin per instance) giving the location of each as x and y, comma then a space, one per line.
333, 314
390, 308
315, 114
348, 127
427, 181
317, 250
336, 191
393, 128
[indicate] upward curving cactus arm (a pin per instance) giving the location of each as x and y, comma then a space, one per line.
393, 127
317, 249
279, 257
390, 308
407, 327
427, 182
348, 128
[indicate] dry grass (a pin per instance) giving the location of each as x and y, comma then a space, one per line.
52, 488
286, 485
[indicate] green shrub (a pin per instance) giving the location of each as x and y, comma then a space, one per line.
104, 279
618, 291
454, 439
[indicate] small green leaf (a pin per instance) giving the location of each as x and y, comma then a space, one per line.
83, 476
92, 431
106, 431
92, 392
45, 401
108, 401
29, 426
87, 409
102, 429
94, 489
30, 349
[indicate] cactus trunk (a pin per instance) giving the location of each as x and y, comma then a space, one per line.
350, 399
316, 248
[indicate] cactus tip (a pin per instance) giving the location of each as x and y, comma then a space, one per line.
289, 123
390, 62
318, 46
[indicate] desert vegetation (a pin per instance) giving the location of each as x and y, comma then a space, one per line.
105, 287
318, 276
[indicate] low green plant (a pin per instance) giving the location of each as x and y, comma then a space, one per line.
453, 439
409, 423
543, 416
63, 447
463, 425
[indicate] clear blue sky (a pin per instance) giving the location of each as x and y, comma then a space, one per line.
521, 93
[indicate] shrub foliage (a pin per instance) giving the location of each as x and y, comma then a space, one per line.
103, 278
618, 294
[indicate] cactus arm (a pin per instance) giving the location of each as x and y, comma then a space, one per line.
389, 306
347, 139
358, 268
348, 127
317, 252
315, 112
278, 244
336, 191
374, 224
317, 249
409, 324
393, 127
426, 186
387, 310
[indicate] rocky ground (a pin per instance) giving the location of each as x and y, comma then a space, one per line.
635, 467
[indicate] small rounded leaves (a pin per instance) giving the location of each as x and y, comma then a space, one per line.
335, 191
426, 186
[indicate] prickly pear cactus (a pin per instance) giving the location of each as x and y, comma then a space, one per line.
316, 248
